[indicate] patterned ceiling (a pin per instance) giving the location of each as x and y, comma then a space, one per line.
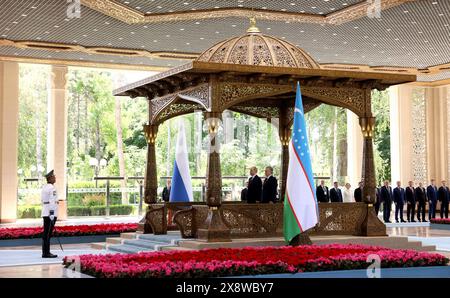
303, 6
414, 34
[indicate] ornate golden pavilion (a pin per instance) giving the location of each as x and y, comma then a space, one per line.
256, 74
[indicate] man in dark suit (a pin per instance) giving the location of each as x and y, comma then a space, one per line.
378, 200
432, 195
166, 191
254, 187
322, 193
444, 197
386, 198
358, 192
244, 192
336, 194
421, 198
410, 197
270, 187
399, 201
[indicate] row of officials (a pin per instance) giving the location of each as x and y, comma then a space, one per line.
414, 197
256, 190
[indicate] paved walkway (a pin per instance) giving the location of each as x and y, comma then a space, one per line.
21, 256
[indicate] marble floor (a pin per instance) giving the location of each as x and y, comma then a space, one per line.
26, 261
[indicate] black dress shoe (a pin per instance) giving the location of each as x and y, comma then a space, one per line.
424, 220
413, 220
403, 220
387, 221
49, 256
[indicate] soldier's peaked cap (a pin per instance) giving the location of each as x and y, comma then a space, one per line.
50, 174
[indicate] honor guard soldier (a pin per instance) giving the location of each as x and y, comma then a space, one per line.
49, 200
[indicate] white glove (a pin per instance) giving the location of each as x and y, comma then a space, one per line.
52, 215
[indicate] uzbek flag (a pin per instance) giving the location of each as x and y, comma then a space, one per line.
181, 189
300, 202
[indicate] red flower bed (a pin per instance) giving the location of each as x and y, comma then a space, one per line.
442, 221
248, 261
68, 231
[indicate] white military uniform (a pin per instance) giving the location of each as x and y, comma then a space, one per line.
49, 199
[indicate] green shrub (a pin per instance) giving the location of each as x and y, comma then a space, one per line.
94, 200
77, 199
78, 211
121, 209
34, 211
99, 210
29, 211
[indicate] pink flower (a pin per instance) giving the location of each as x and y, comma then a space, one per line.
250, 260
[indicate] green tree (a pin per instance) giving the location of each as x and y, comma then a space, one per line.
382, 141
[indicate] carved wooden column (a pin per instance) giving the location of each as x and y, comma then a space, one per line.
215, 229
368, 165
371, 225
213, 170
151, 181
284, 132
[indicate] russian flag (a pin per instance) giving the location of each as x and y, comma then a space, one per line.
181, 189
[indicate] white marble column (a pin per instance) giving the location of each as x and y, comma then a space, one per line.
9, 119
354, 149
57, 133
400, 98
437, 133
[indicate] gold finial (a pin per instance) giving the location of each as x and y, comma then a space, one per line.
253, 28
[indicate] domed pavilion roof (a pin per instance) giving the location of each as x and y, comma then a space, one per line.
255, 48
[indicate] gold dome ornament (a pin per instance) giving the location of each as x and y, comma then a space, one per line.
253, 28
258, 49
